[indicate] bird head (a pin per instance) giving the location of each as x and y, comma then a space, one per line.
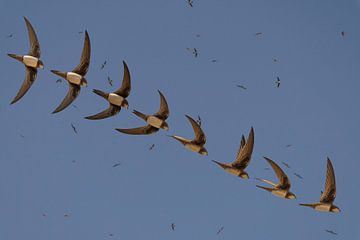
290, 195
164, 126
84, 82
40, 64
125, 104
203, 151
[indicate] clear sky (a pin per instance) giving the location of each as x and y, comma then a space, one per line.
47, 171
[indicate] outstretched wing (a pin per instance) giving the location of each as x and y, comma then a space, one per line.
28, 81
109, 112
244, 155
329, 194
125, 88
73, 92
163, 112
34, 42
283, 178
83, 66
200, 137
148, 129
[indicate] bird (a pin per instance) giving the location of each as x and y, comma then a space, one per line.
277, 82
103, 65
220, 230
328, 196
298, 175
343, 33
116, 99
172, 226
258, 34
116, 164
331, 232
75, 78
31, 61
214, 60
282, 189
190, 2
110, 81
74, 128
275, 60
288, 145
285, 164
10, 36
241, 86
197, 144
154, 122
151, 147
198, 120
59, 80
74, 106
242, 159
195, 52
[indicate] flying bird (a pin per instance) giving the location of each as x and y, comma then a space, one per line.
116, 164
277, 82
173, 226
331, 232
110, 81
74, 128
31, 62
198, 120
151, 147
285, 164
275, 60
328, 196
103, 65
258, 34
343, 33
220, 230
282, 189
59, 80
197, 144
154, 122
116, 99
241, 86
242, 159
214, 60
288, 145
190, 2
10, 36
75, 78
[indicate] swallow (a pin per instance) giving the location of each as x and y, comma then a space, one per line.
285, 164
116, 99
198, 120
282, 189
298, 175
103, 65
190, 2
331, 232
197, 144
173, 226
220, 230
275, 60
328, 196
31, 62
288, 145
74, 129
154, 122
258, 34
151, 147
214, 60
242, 159
66, 215
59, 80
110, 81
277, 82
195, 52
241, 86
116, 164
10, 36
343, 33
75, 78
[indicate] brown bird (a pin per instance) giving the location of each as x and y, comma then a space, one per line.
31, 62
197, 144
328, 196
116, 99
76, 77
243, 157
154, 122
282, 189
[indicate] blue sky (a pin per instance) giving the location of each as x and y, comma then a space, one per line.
53, 172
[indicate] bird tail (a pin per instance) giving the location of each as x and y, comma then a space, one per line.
100, 93
17, 57
139, 114
265, 188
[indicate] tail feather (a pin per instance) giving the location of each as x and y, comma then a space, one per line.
15, 56
139, 114
265, 188
100, 93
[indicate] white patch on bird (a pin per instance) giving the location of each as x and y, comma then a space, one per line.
74, 78
279, 193
30, 61
154, 121
193, 147
323, 207
115, 99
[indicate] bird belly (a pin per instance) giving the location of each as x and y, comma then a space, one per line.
323, 207
74, 78
30, 61
115, 99
193, 147
279, 193
232, 171
154, 121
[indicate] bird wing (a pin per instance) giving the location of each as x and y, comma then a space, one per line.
73, 92
163, 112
34, 43
329, 194
148, 129
244, 155
200, 137
125, 88
283, 178
109, 112
83, 66
28, 81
